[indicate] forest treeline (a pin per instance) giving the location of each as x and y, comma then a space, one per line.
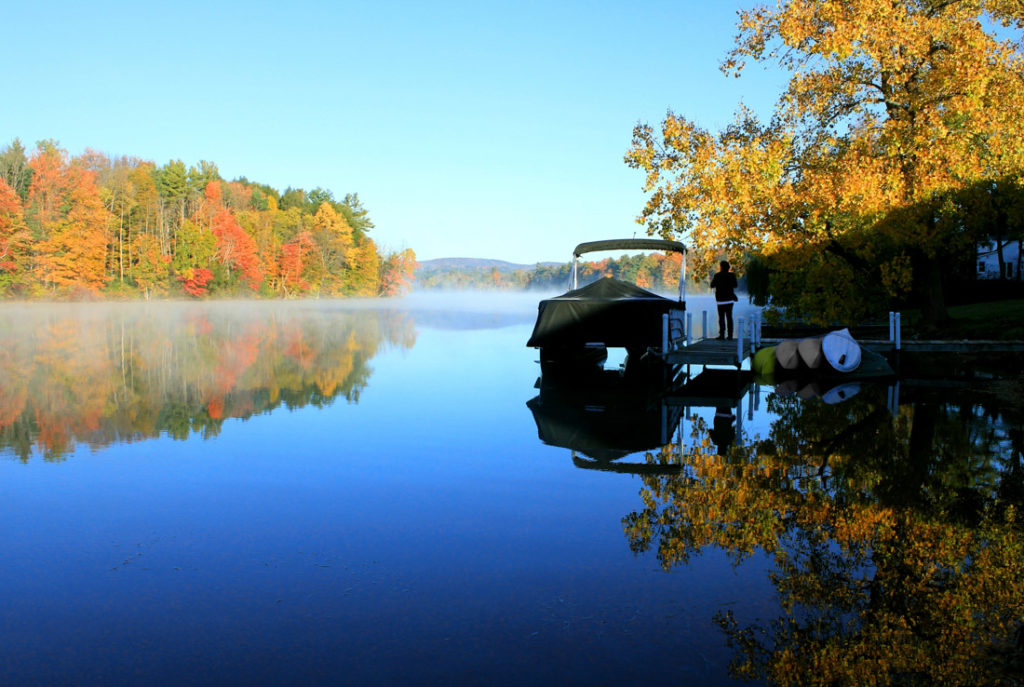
70, 376
654, 271
94, 226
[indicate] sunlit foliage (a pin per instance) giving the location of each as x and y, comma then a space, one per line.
96, 227
859, 189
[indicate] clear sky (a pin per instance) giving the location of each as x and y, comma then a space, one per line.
468, 129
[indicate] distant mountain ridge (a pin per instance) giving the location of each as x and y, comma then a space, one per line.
446, 264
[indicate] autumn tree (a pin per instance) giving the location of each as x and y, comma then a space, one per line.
363, 273
295, 257
333, 237
70, 220
892, 108
396, 272
149, 268
15, 240
194, 255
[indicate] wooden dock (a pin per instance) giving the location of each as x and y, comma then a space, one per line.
931, 346
710, 352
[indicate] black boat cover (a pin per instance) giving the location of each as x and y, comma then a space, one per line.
609, 311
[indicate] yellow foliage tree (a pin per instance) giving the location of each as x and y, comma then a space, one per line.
894, 107
333, 237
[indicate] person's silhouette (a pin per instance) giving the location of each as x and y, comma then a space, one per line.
722, 431
724, 283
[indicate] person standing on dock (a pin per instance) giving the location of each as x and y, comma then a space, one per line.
724, 283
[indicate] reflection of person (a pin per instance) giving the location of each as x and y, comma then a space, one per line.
724, 284
722, 432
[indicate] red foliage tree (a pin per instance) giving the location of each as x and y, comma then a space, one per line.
14, 238
194, 280
236, 249
294, 256
396, 272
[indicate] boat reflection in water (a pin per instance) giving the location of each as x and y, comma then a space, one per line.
606, 415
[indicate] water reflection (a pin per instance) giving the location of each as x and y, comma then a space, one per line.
890, 514
101, 375
895, 537
605, 417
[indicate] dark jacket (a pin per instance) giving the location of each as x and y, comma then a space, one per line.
724, 284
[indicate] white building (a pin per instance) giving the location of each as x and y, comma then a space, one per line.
988, 259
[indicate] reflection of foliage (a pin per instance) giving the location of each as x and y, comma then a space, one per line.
897, 553
88, 377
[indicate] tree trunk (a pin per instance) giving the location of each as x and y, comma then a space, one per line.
120, 245
1020, 254
931, 292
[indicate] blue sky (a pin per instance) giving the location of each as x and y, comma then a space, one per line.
491, 130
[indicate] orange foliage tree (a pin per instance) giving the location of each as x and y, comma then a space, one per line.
73, 221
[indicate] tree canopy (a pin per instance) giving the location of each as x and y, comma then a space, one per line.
858, 190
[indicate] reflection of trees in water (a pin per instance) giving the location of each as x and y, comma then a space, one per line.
68, 377
896, 541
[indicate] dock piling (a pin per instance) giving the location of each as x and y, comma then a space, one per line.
895, 325
739, 340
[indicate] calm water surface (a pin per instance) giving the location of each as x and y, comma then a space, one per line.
343, 493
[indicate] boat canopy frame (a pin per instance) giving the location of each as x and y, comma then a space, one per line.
631, 244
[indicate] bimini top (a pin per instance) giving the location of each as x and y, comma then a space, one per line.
628, 244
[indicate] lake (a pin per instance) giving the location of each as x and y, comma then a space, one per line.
380, 493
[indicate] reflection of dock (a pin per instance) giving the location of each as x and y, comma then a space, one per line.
606, 417
588, 463
712, 389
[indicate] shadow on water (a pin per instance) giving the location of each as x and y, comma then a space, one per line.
103, 375
891, 516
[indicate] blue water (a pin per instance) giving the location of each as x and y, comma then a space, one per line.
421, 533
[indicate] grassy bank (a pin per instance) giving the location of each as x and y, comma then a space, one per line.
995, 320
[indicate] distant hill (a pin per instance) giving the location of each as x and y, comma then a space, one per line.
653, 271
470, 264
